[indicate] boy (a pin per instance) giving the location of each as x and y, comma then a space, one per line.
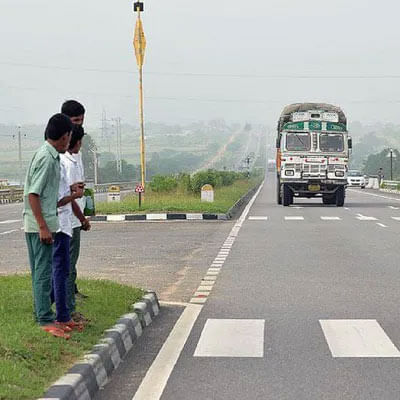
74, 174
76, 112
40, 216
70, 190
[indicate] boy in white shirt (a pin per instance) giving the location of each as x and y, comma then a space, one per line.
69, 191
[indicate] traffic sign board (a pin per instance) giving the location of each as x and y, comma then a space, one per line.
139, 43
139, 189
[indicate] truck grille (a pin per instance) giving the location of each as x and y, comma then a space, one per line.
316, 170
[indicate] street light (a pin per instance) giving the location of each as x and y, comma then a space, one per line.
392, 155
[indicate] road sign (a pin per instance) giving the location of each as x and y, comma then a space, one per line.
207, 193
114, 194
139, 189
139, 43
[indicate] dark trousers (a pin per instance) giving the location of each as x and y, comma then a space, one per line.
61, 266
75, 246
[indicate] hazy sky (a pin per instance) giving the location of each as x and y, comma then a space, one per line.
238, 60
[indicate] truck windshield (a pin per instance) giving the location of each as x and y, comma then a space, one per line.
298, 141
331, 142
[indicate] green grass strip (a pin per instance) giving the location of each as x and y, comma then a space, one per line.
224, 198
30, 359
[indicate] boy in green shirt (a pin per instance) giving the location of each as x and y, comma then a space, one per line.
40, 216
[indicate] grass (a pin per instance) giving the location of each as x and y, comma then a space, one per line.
224, 198
30, 359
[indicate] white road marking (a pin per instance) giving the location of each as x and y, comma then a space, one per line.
198, 300
347, 208
157, 376
394, 208
381, 225
396, 218
10, 221
294, 218
201, 293
204, 288
357, 338
297, 207
331, 218
153, 384
375, 195
7, 232
242, 338
258, 218
365, 218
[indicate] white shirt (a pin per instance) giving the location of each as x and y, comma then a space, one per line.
64, 212
74, 167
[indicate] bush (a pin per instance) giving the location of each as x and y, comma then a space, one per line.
184, 182
163, 183
214, 178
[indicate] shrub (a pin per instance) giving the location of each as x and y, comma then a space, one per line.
163, 183
184, 182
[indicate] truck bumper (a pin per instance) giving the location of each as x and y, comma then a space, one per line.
309, 188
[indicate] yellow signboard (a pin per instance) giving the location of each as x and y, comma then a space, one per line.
139, 43
114, 189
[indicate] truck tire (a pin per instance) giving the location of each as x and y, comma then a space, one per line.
287, 197
340, 195
278, 191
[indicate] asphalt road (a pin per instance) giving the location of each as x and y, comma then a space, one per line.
315, 307
312, 291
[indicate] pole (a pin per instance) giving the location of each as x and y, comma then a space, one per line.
20, 156
142, 146
391, 164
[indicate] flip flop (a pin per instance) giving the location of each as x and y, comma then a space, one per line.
70, 326
63, 326
56, 332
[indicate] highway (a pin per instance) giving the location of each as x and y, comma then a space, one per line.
313, 292
314, 295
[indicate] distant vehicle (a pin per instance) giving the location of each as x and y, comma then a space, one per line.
313, 148
356, 178
271, 165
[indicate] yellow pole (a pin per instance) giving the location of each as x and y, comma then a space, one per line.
142, 145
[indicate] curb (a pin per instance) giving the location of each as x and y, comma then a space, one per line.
90, 374
232, 212
389, 191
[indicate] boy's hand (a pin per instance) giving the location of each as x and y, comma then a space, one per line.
45, 235
86, 225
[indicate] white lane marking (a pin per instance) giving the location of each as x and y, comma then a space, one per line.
374, 195
331, 218
365, 218
394, 208
357, 338
157, 376
381, 225
294, 218
153, 384
10, 221
198, 300
396, 218
203, 288
297, 207
211, 273
347, 208
242, 338
7, 232
173, 303
258, 218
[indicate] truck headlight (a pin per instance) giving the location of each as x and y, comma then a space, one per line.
289, 172
339, 174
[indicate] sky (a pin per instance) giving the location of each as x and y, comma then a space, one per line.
236, 60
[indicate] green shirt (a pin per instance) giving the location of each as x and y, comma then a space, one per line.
43, 179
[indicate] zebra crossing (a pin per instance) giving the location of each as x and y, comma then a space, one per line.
245, 338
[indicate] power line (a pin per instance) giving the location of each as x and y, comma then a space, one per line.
205, 74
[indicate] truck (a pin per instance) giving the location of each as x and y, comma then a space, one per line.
313, 148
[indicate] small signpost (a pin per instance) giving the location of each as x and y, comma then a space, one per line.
207, 193
114, 194
139, 189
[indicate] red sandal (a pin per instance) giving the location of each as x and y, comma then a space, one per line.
55, 331
70, 326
